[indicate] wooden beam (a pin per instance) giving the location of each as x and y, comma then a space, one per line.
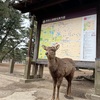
49, 4
26, 7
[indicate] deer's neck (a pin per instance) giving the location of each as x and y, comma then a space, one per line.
52, 62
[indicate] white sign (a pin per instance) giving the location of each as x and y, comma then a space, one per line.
89, 37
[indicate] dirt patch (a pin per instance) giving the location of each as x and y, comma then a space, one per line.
79, 87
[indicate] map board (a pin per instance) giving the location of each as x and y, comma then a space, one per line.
77, 38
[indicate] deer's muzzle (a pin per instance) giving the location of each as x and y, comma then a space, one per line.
46, 53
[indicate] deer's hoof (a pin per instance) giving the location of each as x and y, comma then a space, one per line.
68, 97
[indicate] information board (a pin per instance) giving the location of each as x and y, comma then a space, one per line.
77, 38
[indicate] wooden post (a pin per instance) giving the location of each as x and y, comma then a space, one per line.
11, 65
98, 32
31, 36
36, 48
34, 70
27, 68
37, 38
28, 59
97, 69
41, 67
97, 77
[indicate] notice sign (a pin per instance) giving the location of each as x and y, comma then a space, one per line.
77, 38
89, 37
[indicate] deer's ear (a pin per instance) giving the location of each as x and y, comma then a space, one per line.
44, 47
57, 46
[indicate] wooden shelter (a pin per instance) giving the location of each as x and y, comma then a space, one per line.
47, 9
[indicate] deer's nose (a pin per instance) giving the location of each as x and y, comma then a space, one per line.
46, 53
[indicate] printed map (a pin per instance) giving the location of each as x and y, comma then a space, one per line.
67, 33
88, 24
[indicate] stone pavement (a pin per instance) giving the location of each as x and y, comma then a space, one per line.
12, 89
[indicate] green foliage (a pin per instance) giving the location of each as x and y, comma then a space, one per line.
11, 32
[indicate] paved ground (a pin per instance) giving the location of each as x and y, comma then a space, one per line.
11, 88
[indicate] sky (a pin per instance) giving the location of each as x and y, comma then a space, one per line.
26, 22
3, 0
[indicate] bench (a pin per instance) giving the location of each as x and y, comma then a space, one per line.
40, 63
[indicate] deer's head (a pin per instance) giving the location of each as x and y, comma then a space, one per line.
51, 51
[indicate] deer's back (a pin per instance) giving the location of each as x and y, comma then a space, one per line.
62, 67
69, 60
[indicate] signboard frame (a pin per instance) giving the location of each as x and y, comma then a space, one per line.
64, 18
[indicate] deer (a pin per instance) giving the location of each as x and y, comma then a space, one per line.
59, 68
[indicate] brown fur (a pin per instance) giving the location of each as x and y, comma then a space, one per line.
59, 68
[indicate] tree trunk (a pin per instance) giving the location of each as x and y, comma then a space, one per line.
0, 60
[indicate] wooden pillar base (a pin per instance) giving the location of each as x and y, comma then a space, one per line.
41, 67
12, 65
37, 70
27, 68
34, 70
90, 95
97, 77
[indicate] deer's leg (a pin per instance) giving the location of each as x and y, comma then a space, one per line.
59, 81
69, 88
54, 88
69, 79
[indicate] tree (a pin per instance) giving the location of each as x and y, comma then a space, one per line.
11, 31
